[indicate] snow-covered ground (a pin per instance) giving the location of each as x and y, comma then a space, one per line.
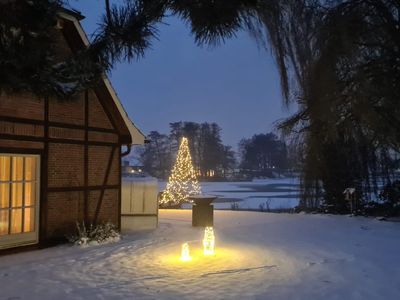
258, 256
275, 193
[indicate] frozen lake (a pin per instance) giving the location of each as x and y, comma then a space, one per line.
278, 193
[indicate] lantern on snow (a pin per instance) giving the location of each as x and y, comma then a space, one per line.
208, 241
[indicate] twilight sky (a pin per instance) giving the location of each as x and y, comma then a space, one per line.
235, 85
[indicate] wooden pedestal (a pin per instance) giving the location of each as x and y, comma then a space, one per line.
202, 215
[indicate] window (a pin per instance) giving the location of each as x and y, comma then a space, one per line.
18, 194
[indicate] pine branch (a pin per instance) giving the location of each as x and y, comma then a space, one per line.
108, 9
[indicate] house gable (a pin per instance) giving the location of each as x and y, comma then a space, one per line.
77, 40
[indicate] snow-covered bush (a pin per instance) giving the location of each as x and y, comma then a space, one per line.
391, 193
383, 209
388, 204
95, 235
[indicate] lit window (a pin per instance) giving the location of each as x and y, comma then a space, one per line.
18, 194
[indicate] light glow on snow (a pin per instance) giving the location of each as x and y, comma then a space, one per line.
258, 256
198, 260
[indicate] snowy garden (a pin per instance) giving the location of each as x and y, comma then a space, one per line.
244, 255
298, 199
232, 254
257, 256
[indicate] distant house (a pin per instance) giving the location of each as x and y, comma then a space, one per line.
129, 170
60, 160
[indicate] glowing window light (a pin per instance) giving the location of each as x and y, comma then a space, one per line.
185, 254
208, 241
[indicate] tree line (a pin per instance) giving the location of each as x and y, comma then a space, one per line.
210, 157
261, 155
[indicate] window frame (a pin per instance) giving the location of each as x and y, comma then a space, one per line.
23, 238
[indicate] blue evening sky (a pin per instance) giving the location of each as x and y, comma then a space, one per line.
235, 85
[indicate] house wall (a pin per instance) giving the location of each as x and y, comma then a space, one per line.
79, 145
80, 157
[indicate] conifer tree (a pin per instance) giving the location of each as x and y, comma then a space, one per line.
183, 182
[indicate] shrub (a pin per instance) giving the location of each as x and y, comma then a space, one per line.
95, 235
391, 193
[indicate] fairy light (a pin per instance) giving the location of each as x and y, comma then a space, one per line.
185, 253
183, 181
208, 241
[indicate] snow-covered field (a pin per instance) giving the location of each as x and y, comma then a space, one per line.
275, 193
258, 256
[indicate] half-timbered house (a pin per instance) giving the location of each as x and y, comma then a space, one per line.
60, 159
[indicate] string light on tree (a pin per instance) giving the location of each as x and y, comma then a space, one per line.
183, 181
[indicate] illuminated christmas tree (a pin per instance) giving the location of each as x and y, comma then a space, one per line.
183, 182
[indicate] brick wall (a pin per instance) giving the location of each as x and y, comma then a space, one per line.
68, 111
97, 172
66, 165
109, 211
97, 116
21, 106
63, 210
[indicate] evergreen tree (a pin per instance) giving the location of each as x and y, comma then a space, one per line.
183, 182
228, 161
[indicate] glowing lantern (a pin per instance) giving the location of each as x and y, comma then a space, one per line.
185, 254
209, 241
